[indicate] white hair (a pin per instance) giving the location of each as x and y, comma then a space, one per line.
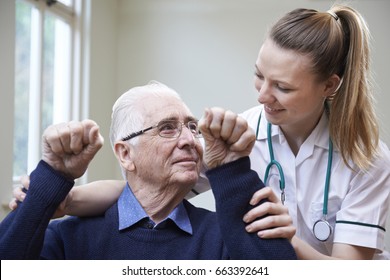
126, 117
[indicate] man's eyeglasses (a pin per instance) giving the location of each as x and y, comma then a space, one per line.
169, 129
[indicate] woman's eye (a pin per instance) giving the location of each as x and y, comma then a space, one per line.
283, 89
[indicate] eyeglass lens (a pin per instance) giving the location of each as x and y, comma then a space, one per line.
171, 129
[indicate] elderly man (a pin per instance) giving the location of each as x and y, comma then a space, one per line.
155, 139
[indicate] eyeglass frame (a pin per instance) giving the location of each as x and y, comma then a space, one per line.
142, 131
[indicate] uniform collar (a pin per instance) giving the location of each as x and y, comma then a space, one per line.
316, 138
320, 134
131, 212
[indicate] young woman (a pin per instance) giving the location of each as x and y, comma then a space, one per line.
317, 126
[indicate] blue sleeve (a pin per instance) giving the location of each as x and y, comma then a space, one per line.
233, 185
22, 232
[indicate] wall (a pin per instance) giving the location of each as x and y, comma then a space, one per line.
7, 42
103, 81
206, 49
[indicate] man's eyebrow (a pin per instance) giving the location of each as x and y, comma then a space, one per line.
173, 118
190, 118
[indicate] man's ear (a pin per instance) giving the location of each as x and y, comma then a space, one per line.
332, 85
123, 152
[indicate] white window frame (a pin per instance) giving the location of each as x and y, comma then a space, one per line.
74, 106
80, 84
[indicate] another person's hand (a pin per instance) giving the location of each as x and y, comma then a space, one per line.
227, 137
276, 221
19, 194
70, 147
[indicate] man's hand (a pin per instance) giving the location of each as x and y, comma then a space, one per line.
70, 147
227, 137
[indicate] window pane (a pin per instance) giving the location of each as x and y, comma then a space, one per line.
56, 68
22, 84
42, 80
62, 72
48, 66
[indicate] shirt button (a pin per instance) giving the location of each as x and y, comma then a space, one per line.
149, 225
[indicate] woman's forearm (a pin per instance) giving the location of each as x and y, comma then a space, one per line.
93, 198
339, 251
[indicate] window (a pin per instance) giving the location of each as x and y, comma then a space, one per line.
47, 73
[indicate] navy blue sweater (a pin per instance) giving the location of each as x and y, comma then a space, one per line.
27, 232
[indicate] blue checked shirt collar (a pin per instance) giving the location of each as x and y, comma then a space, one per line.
131, 212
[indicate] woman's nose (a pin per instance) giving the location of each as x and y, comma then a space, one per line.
265, 94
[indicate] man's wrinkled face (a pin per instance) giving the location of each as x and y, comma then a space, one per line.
167, 161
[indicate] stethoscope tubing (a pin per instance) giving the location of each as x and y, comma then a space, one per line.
274, 162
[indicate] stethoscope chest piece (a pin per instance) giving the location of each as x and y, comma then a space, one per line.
322, 230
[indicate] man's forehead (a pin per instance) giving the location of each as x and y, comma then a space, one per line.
176, 116
169, 108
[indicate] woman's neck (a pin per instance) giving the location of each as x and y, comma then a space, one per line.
297, 134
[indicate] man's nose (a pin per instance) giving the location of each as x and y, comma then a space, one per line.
186, 136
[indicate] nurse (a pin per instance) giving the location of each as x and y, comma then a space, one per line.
317, 127
317, 139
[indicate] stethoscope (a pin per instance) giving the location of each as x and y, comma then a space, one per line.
322, 229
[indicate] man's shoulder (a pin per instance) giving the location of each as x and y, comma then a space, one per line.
197, 214
73, 222
202, 211
204, 223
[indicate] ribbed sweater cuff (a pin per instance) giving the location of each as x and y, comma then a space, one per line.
47, 185
234, 178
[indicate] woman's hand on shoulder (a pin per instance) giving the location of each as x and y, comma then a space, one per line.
270, 219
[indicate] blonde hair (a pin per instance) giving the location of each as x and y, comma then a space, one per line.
337, 41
